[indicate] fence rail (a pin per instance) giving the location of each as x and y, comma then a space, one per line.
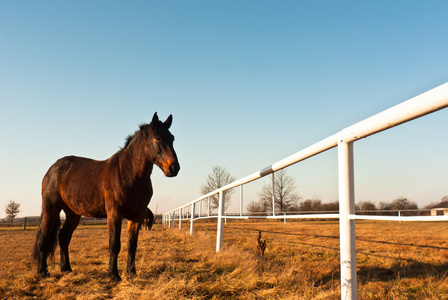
27, 222
426, 103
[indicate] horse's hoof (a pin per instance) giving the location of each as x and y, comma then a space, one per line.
131, 271
115, 277
131, 274
66, 269
43, 274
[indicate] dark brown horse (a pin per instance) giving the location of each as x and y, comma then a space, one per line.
119, 187
149, 220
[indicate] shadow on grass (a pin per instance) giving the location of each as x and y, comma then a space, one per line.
412, 270
400, 270
337, 237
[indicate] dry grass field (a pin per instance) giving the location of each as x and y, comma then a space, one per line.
301, 261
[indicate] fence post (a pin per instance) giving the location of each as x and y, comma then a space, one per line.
208, 207
174, 219
180, 219
346, 226
241, 200
220, 229
192, 219
273, 194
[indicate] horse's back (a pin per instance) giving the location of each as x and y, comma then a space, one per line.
76, 181
71, 167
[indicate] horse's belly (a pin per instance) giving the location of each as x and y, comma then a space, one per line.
84, 201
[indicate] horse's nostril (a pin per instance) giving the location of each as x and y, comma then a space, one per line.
174, 168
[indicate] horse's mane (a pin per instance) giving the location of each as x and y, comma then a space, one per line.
128, 141
131, 136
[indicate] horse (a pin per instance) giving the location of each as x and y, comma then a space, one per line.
116, 188
149, 220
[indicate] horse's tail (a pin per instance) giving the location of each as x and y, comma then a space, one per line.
46, 241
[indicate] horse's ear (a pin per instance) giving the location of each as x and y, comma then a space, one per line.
169, 121
155, 118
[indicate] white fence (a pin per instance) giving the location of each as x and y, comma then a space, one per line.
426, 103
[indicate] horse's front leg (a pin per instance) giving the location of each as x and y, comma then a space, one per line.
114, 222
133, 229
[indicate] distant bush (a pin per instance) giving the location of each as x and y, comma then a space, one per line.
317, 205
398, 204
442, 204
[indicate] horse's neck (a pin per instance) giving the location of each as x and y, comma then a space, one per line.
134, 164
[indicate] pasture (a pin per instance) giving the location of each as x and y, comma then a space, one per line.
395, 261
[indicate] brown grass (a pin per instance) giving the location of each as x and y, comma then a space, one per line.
301, 261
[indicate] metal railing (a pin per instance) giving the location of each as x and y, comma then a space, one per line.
426, 103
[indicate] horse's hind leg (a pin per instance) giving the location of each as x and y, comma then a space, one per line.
70, 224
46, 239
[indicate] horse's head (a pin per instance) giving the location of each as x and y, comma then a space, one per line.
161, 145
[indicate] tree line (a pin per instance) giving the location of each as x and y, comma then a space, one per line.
286, 198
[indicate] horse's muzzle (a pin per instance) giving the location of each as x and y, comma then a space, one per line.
173, 169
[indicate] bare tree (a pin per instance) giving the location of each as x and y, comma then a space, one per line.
399, 203
317, 205
285, 196
442, 204
12, 209
216, 179
311, 205
365, 205
256, 208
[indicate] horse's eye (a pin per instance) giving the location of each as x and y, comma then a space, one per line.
158, 138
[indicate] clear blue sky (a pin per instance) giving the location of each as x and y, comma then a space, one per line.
248, 83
